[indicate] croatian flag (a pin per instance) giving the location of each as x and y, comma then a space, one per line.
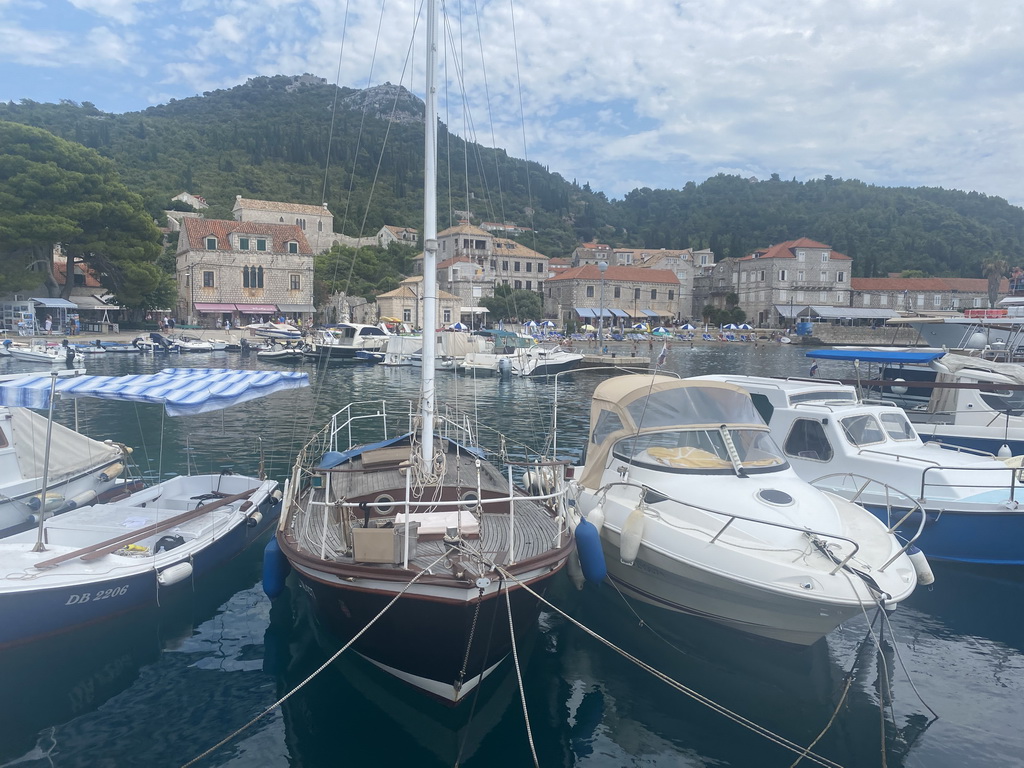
664, 354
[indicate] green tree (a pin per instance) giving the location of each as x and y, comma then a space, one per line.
509, 304
54, 191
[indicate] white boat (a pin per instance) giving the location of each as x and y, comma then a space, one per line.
93, 563
281, 353
953, 503
402, 350
501, 350
47, 354
545, 361
80, 470
699, 512
186, 343
958, 400
275, 331
411, 543
347, 341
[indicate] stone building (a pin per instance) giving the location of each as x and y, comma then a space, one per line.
773, 283
622, 295
240, 270
922, 295
315, 221
403, 304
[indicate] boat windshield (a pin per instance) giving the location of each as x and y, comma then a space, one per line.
1005, 401
863, 430
700, 450
897, 426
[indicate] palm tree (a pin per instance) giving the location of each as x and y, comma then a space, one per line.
995, 269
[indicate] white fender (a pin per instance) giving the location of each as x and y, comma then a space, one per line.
631, 537
111, 472
174, 574
596, 517
925, 576
575, 570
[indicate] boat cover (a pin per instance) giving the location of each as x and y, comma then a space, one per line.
70, 452
181, 391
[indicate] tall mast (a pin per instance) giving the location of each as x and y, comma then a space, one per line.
429, 293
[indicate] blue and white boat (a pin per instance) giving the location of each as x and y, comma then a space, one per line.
956, 505
959, 400
93, 563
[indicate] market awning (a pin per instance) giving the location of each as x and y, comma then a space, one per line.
474, 310
205, 307
586, 312
54, 303
256, 309
619, 313
296, 308
92, 302
850, 313
790, 311
651, 313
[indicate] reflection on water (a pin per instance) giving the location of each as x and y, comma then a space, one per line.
158, 689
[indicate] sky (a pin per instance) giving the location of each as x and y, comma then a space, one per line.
618, 94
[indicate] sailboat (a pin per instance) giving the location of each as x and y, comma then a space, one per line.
413, 547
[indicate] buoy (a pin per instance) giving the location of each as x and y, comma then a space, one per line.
925, 576
504, 366
631, 536
596, 517
254, 519
275, 569
899, 390
54, 501
976, 341
588, 544
111, 472
1004, 451
174, 574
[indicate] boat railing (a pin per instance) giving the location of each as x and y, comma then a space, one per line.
913, 505
1012, 487
732, 517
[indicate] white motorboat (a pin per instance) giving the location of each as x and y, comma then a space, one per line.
187, 343
412, 543
699, 512
47, 354
955, 504
348, 341
545, 361
93, 563
281, 353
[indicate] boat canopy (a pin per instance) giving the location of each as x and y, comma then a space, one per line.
876, 355
182, 391
630, 405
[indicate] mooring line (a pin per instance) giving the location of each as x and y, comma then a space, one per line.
317, 671
699, 697
519, 677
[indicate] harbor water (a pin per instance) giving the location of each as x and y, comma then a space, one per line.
938, 684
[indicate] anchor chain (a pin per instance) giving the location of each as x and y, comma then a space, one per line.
469, 644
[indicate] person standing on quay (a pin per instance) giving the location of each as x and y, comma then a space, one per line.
48, 325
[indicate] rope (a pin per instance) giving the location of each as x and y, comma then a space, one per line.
519, 678
698, 697
316, 672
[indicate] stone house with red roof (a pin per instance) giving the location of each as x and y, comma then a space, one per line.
922, 295
315, 221
239, 270
621, 296
774, 283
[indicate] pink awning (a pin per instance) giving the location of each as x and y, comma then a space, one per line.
202, 307
256, 309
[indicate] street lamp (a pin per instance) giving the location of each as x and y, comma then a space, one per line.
603, 267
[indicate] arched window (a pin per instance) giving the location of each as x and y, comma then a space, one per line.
259, 277
245, 277
252, 277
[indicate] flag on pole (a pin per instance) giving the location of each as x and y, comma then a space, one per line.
664, 354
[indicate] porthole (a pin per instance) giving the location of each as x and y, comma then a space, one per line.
384, 503
470, 500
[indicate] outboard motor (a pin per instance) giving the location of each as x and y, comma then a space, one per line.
160, 341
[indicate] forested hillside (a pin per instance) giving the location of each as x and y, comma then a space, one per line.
269, 139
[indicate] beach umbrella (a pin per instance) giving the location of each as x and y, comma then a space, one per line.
587, 327
458, 327
531, 324
548, 324
688, 327
732, 327
639, 327
661, 329
746, 327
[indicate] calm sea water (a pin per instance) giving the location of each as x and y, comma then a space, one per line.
159, 688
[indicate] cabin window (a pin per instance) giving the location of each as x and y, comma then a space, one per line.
897, 426
1009, 402
862, 430
700, 450
807, 440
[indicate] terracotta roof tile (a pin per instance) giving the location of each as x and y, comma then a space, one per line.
623, 274
197, 230
270, 205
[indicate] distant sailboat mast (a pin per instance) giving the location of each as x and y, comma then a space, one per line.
429, 293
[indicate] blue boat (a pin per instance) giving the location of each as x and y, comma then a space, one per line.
91, 564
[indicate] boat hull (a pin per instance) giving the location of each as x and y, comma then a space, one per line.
441, 664
38, 613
